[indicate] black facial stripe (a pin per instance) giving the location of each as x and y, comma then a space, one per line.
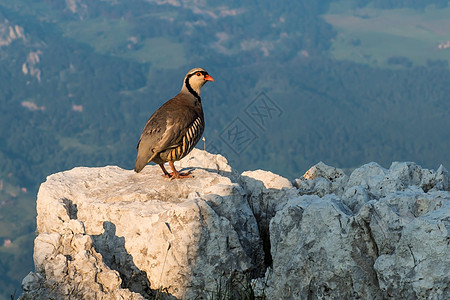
195, 72
186, 82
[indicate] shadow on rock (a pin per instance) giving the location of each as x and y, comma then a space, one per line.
115, 256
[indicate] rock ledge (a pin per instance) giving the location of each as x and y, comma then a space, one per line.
109, 233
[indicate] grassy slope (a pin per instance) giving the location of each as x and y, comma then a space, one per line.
386, 33
108, 36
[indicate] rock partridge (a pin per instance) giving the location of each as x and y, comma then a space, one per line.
175, 128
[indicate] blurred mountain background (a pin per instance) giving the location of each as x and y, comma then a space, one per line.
344, 82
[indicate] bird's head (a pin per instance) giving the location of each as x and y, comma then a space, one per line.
194, 80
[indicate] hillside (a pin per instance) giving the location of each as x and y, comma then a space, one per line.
80, 78
398, 37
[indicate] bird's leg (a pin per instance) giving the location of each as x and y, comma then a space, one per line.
166, 174
177, 174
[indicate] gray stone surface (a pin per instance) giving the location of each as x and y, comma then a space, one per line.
381, 234
322, 180
108, 233
320, 252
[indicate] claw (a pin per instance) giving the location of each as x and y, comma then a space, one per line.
175, 174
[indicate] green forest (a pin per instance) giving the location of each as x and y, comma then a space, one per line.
79, 79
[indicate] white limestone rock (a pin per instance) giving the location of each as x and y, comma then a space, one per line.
368, 176
68, 267
109, 233
411, 231
100, 229
322, 180
267, 192
355, 197
419, 268
204, 160
320, 252
379, 182
385, 237
442, 179
31, 282
371, 181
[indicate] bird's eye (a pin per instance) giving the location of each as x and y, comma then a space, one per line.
199, 74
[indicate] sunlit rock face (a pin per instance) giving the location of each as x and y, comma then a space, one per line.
109, 233
144, 232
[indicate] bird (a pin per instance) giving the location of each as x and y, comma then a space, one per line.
174, 129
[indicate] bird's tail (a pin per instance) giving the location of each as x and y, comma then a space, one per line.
139, 165
142, 160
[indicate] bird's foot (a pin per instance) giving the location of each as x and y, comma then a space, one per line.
177, 175
181, 175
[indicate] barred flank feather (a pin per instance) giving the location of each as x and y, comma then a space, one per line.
190, 139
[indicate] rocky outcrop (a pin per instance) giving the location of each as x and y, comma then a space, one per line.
378, 234
109, 233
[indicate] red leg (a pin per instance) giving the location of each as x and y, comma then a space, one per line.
166, 174
177, 174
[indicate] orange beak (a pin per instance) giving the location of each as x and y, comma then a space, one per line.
208, 78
